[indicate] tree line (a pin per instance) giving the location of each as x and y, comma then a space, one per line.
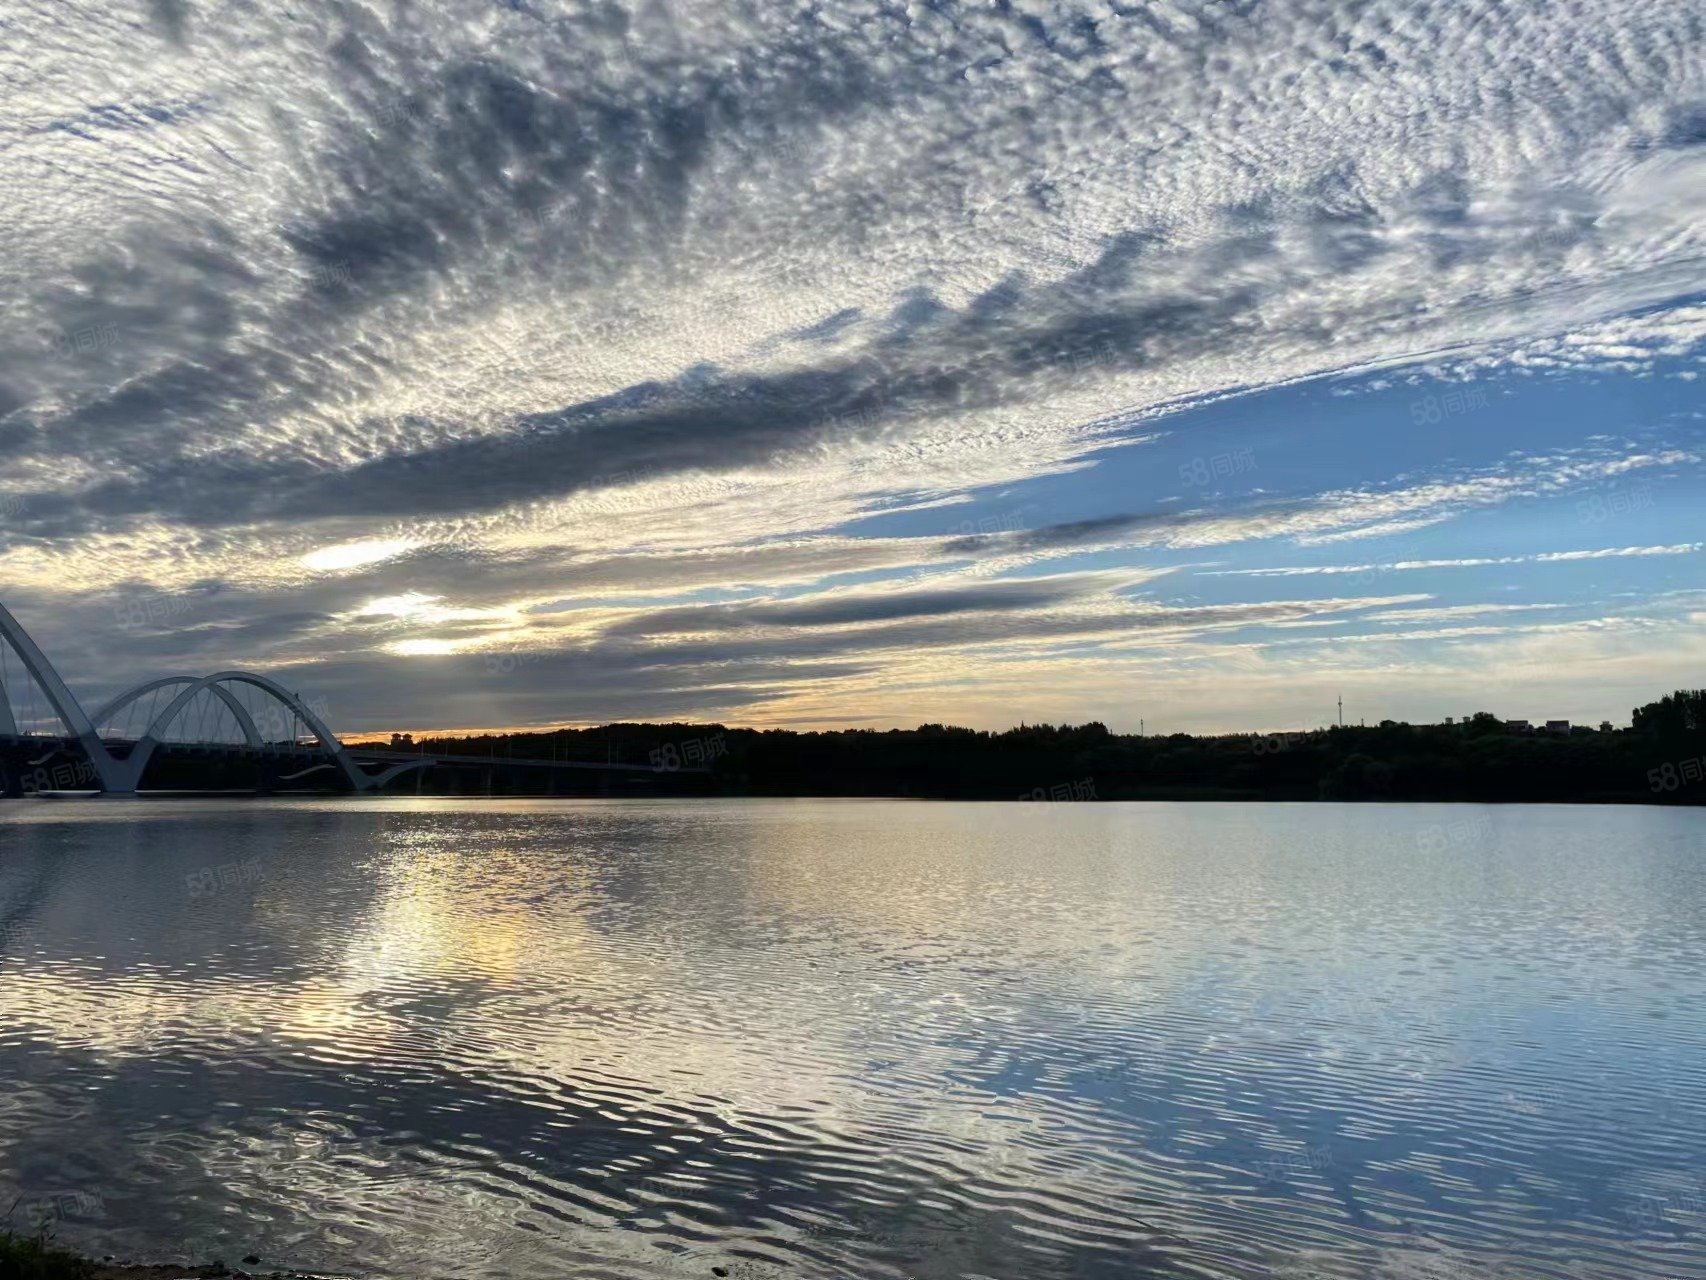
1661, 757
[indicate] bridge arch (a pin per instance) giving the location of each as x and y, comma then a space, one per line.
245, 721
122, 775
136, 763
60, 698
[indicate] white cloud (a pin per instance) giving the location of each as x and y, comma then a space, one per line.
1444, 612
1469, 562
356, 555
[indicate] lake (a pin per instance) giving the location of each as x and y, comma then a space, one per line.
859, 1038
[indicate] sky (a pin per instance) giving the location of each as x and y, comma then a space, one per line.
1189, 364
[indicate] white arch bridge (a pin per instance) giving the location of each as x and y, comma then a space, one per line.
118, 763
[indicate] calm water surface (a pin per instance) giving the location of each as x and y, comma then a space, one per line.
818, 1038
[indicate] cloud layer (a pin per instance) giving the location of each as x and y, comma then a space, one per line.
570, 317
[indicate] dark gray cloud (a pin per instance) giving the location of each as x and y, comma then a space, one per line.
603, 684
703, 421
858, 607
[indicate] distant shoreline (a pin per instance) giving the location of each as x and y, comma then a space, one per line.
174, 1271
330, 797
1661, 759
39, 1257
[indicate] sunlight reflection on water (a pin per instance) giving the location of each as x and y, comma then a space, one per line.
839, 1038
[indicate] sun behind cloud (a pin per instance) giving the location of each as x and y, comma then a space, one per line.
356, 555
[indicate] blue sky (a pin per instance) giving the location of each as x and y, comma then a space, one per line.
1575, 517
1195, 362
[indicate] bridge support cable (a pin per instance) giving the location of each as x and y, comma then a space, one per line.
150, 740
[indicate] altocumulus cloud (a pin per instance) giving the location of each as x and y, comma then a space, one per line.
570, 303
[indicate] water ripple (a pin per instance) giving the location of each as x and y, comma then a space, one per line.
820, 1040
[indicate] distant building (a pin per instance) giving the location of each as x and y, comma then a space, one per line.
1519, 726
1558, 726
1605, 727
401, 740
1450, 720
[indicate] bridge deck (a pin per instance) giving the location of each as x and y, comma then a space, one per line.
399, 757
370, 755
